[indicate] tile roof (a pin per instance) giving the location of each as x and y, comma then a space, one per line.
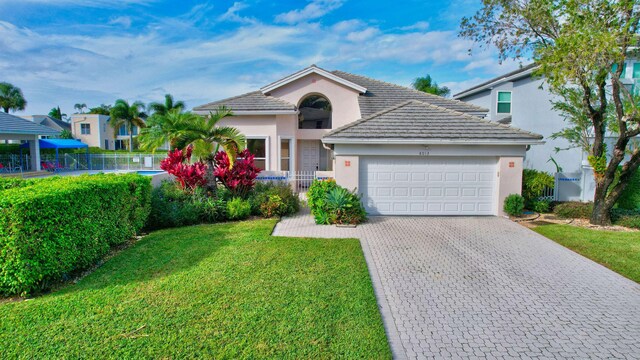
417, 120
523, 70
253, 101
381, 95
11, 124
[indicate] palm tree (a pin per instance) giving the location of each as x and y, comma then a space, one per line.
129, 115
11, 98
169, 104
426, 84
56, 113
80, 107
184, 129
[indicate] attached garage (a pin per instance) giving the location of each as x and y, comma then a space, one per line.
402, 185
422, 159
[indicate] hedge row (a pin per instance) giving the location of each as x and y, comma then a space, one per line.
53, 227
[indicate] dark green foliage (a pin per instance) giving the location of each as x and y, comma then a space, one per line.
332, 204
626, 218
574, 210
286, 203
533, 184
630, 198
172, 207
52, 227
514, 204
238, 209
540, 206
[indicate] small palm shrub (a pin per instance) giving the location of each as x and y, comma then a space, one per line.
574, 210
238, 209
332, 204
514, 204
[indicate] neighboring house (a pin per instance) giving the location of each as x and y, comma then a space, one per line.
407, 152
95, 130
50, 122
15, 128
522, 100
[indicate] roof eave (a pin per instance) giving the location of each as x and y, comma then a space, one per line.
251, 112
474, 91
391, 141
311, 70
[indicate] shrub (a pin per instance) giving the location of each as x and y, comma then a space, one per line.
172, 207
189, 176
332, 204
541, 206
533, 184
289, 201
52, 228
574, 210
630, 198
238, 209
514, 204
239, 178
626, 218
271, 206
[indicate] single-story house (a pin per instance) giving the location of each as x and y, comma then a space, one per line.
16, 128
50, 122
407, 152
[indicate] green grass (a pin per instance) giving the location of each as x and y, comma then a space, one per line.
215, 291
619, 251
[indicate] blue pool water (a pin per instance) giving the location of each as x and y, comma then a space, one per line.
149, 172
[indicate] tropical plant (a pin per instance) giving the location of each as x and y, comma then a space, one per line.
102, 109
11, 98
129, 115
333, 204
80, 107
169, 105
514, 205
238, 209
239, 177
178, 164
428, 85
56, 113
65, 134
580, 46
169, 128
534, 183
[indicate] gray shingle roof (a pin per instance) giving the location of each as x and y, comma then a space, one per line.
10, 124
381, 95
253, 101
421, 121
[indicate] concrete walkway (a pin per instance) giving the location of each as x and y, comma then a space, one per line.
485, 287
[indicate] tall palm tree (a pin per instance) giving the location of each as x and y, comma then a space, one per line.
56, 113
203, 132
80, 107
169, 104
129, 115
11, 97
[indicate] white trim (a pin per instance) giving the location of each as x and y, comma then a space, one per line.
267, 150
251, 112
494, 83
504, 102
312, 70
291, 141
329, 140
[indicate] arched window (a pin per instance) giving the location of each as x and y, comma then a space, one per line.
315, 113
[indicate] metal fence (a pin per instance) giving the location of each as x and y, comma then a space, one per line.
299, 180
70, 162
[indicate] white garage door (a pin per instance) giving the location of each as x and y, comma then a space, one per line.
400, 185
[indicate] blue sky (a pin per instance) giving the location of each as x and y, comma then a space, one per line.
62, 52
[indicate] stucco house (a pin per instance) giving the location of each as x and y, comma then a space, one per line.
95, 131
407, 152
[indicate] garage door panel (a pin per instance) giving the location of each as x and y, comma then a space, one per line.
428, 186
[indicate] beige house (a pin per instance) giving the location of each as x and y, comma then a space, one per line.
407, 152
96, 131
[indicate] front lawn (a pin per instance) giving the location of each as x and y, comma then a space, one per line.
228, 290
619, 251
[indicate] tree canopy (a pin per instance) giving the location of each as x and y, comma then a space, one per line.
11, 98
428, 85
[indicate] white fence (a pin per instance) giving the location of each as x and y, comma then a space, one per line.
300, 180
577, 186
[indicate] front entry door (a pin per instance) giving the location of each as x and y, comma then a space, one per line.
310, 155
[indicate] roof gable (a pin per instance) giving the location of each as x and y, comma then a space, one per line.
11, 124
415, 121
510, 76
253, 102
312, 70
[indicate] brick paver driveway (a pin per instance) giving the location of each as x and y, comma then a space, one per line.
467, 287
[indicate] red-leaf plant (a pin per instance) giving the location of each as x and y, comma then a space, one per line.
190, 176
239, 178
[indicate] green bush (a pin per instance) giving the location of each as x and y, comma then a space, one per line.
573, 210
238, 209
626, 218
540, 206
172, 207
49, 229
333, 204
514, 204
288, 204
533, 184
630, 198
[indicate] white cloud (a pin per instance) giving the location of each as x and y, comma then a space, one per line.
366, 34
419, 26
232, 14
124, 21
348, 25
314, 10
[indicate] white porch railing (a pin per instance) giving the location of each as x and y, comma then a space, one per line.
299, 180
